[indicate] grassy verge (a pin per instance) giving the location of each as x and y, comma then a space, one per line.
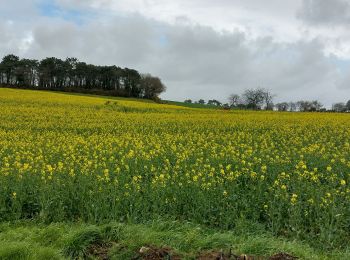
28, 240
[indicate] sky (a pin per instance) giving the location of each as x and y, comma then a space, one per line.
201, 49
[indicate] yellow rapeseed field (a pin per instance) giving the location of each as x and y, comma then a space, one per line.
70, 157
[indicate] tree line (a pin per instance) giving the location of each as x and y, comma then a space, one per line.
263, 99
76, 76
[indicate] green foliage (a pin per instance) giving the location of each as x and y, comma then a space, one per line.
14, 251
77, 244
74, 76
123, 241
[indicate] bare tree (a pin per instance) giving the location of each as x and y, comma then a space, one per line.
268, 99
234, 100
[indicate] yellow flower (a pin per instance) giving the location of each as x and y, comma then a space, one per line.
294, 199
311, 201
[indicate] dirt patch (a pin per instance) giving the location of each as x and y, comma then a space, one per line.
100, 251
212, 255
157, 253
282, 256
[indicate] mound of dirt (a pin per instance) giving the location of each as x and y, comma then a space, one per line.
157, 253
99, 251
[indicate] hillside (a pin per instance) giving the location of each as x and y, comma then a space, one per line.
78, 171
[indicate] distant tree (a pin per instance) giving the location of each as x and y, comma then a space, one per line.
74, 75
268, 99
254, 98
234, 100
284, 106
348, 106
316, 105
226, 106
9, 66
339, 107
270, 106
151, 86
70, 71
304, 106
189, 101
214, 102
309, 106
201, 101
292, 106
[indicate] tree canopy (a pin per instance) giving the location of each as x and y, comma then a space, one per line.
73, 75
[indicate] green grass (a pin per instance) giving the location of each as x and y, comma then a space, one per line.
29, 240
190, 105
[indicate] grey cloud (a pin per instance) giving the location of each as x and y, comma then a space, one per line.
325, 12
194, 61
120, 41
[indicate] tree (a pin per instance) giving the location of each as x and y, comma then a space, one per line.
9, 65
309, 106
268, 99
151, 87
226, 106
339, 107
201, 101
304, 106
292, 106
316, 105
348, 106
214, 102
72, 74
254, 98
189, 101
234, 100
284, 106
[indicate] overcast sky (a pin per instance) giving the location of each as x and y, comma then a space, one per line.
299, 49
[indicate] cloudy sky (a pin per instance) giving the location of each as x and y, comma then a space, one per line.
299, 49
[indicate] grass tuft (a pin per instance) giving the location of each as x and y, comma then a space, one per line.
78, 243
15, 251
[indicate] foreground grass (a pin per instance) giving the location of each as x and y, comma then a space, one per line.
28, 240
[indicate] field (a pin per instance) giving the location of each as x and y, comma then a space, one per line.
83, 159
